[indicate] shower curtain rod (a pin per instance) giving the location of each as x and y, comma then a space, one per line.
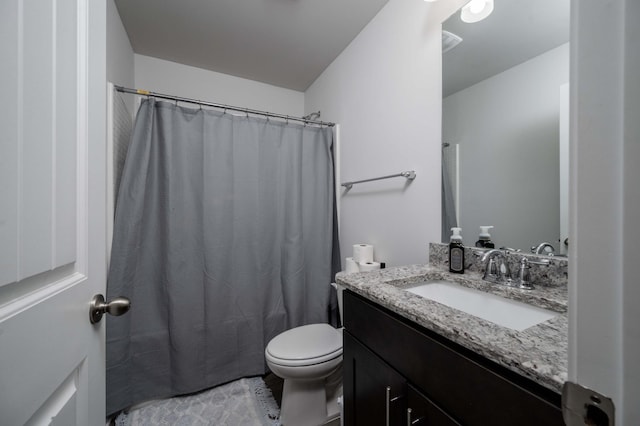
220, 106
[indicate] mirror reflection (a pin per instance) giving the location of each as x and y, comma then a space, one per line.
505, 106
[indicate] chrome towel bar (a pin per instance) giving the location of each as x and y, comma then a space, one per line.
410, 175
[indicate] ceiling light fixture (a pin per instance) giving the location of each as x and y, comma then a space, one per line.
476, 10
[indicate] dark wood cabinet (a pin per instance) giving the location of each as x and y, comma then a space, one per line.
395, 368
381, 391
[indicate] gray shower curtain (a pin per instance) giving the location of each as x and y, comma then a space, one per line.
224, 236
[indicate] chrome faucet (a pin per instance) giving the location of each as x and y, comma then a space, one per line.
496, 268
541, 249
524, 281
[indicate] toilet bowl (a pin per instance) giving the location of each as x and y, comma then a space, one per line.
309, 359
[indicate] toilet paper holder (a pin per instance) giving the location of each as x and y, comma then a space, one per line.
410, 175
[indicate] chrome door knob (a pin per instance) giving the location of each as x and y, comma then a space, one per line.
116, 307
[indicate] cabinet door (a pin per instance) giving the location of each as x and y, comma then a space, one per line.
421, 411
374, 393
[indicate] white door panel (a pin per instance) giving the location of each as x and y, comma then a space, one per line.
46, 352
52, 220
38, 215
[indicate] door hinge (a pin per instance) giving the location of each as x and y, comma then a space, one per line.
583, 406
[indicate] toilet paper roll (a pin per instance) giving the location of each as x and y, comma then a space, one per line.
363, 253
368, 266
350, 265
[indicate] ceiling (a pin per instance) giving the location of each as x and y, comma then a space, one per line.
516, 31
286, 43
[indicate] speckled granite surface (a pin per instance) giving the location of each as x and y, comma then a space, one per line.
555, 274
539, 352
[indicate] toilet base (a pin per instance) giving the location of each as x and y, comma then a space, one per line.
311, 402
303, 403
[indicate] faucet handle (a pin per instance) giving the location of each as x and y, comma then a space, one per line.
524, 280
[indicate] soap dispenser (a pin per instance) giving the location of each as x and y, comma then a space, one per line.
456, 252
484, 239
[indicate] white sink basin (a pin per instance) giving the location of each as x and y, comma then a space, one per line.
505, 312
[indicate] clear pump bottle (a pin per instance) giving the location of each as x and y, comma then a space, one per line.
484, 239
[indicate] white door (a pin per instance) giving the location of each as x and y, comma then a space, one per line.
52, 213
604, 290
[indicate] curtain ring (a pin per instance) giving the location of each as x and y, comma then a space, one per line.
246, 112
287, 119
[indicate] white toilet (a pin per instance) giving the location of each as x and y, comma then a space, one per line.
309, 359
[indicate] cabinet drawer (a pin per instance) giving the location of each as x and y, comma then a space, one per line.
474, 390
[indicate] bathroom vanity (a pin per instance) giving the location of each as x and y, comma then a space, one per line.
411, 360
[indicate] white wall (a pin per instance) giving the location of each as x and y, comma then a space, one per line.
120, 65
385, 91
171, 78
120, 108
508, 130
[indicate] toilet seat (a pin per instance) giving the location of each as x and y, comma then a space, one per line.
306, 345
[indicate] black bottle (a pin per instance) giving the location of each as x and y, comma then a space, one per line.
456, 252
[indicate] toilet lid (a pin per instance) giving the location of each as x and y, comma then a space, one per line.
306, 343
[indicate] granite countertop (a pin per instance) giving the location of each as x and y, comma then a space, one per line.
538, 352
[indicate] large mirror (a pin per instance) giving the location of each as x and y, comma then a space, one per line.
505, 105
